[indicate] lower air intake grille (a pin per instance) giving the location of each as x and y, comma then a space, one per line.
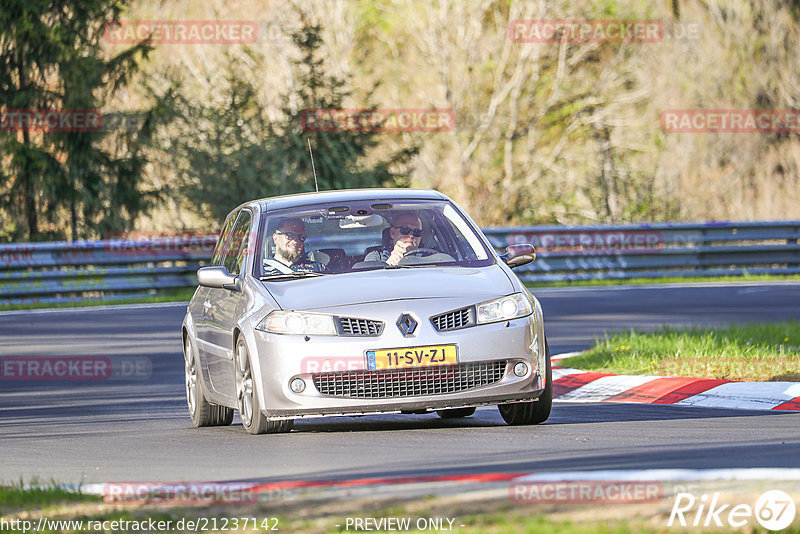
436, 380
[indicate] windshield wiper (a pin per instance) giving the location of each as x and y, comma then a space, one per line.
290, 276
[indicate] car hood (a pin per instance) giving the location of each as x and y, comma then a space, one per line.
391, 284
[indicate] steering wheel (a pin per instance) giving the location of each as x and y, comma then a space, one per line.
421, 252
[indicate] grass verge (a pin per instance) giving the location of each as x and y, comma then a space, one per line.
495, 515
37, 494
756, 352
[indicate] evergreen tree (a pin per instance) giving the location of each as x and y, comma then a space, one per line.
336, 153
229, 157
237, 154
51, 59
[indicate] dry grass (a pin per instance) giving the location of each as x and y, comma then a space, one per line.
566, 133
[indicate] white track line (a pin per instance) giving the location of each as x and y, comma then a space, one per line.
672, 285
607, 475
107, 307
565, 355
560, 373
666, 475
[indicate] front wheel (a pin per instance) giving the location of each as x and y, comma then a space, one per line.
253, 420
533, 412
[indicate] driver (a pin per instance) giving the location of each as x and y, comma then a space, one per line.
406, 233
290, 256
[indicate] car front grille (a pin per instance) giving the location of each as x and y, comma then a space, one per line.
351, 326
454, 320
418, 381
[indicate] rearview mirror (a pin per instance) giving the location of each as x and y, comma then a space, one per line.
218, 278
361, 221
517, 255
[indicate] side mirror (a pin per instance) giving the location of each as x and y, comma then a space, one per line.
517, 255
218, 278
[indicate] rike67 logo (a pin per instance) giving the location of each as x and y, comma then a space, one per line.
774, 510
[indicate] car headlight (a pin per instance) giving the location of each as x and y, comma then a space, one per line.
503, 309
299, 323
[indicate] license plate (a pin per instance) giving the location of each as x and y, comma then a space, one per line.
412, 357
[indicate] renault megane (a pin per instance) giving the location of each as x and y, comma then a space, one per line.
361, 302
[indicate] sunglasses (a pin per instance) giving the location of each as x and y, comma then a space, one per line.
292, 236
405, 230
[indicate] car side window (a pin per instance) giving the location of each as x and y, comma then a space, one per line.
224, 237
236, 250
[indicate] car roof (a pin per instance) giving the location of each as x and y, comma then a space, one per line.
345, 195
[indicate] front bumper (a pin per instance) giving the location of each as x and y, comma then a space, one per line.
283, 358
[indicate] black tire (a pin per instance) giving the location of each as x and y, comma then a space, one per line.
202, 412
224, 415
533, 412
253, 420
454, 413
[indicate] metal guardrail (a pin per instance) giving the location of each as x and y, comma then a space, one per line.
108, 269
118, 268
655, 250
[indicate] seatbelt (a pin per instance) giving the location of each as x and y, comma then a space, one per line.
275, 264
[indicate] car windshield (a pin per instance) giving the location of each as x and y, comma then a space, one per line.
361, 236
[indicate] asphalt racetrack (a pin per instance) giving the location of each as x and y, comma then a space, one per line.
139, 429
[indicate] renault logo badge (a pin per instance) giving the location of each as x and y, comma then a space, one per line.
406, 324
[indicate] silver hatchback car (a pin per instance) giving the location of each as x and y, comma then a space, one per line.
361, 302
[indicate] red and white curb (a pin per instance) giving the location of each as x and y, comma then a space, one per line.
247, 491
575, 385
483, 486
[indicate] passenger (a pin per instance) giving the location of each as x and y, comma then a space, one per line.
290, 255
406, 233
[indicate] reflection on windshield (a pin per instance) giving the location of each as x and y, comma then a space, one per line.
366, 236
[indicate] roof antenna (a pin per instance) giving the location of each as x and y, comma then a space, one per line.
312, 164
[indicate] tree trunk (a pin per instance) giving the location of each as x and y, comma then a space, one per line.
29, 190
28, 181
608, 178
